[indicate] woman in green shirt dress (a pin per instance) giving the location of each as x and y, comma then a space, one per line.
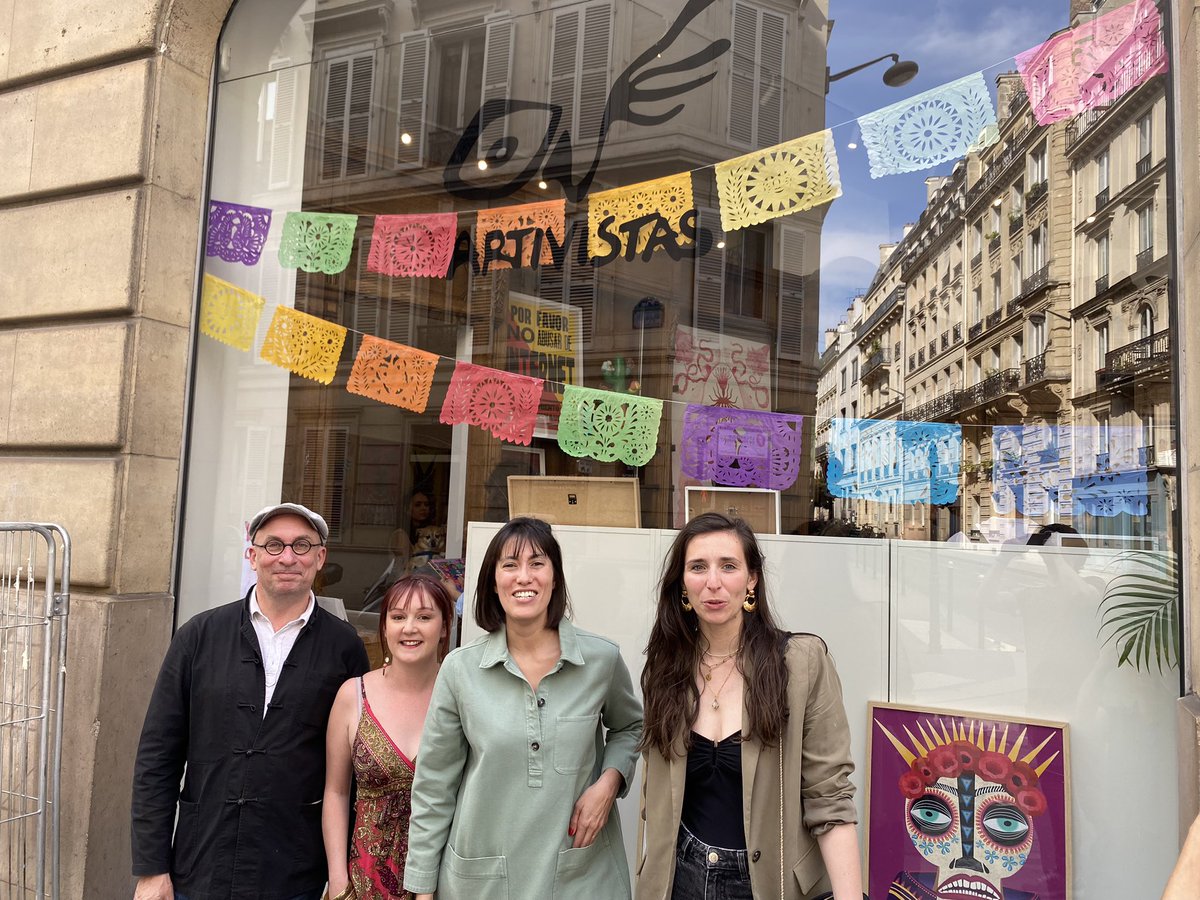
531, 736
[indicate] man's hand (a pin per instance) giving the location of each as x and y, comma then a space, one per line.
154, 887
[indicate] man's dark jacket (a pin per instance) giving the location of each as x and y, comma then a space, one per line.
250, 808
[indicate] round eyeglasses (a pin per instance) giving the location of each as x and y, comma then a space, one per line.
300, 546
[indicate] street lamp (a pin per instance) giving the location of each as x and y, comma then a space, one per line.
900, 72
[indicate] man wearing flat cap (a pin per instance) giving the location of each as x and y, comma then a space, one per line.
239, 712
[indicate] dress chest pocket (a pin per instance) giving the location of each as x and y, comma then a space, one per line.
575, 743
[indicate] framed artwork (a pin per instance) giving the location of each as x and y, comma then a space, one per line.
966, 805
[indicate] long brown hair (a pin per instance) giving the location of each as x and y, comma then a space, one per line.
669, 691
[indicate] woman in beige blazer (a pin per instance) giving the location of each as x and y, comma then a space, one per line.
727, 813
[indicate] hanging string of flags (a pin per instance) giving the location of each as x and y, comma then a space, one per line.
1082, 68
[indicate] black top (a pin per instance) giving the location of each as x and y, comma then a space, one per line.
712, 794
249, 812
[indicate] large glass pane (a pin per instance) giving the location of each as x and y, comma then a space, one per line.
976, 329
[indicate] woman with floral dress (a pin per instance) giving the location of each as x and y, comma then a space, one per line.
374, 731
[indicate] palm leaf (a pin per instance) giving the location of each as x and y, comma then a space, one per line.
1139, 610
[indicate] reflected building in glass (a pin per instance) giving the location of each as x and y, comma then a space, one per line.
385, 108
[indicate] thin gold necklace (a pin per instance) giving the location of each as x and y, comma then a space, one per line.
716, 704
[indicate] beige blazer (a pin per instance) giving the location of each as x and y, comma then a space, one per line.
817, 793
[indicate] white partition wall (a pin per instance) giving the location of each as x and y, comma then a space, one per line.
997, 630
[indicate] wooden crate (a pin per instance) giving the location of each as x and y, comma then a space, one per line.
570, 500
758, 506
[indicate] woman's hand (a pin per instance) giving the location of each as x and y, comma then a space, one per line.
592, 808
337, 885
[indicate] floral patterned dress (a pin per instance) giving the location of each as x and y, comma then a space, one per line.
382, 808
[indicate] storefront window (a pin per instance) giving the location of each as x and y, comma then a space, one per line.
965, 351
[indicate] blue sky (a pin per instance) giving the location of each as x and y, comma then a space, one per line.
948, 39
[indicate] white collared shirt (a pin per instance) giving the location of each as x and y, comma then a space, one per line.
276, 645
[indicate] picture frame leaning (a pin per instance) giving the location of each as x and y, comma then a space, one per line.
969, 802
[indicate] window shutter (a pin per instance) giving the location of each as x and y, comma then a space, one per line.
581, 285
414, 64
593, 72
709, 290
481, 298
772, 34
346, 130
283, 127
791, 293
323, 474
497, 71
338, 442
564, 54
358, 126
400, 311
742, 75
365, 319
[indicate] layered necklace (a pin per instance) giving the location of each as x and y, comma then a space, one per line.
710, 663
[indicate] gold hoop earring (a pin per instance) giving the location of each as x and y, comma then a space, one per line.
687, 607
750, 604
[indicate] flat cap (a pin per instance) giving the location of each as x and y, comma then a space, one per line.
289, 509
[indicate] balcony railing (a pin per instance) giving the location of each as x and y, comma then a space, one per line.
1015, 223
995, 385
1101, 285
1140, 356
890, 302
938, 408
958, 270
1036, 192
1011, 309
946, 279
912, 361
932, 349
876, 360
977, 260
1102, 198
1145, 257
993, 319
974, 331
956, 333
1143, 166
921, 357
1036, 281
945, 340
1035, 367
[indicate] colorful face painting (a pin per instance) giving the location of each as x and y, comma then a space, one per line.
965, 806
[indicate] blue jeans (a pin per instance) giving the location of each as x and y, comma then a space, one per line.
310, 895
704, 872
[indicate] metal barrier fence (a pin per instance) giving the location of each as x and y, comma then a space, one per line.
35, 573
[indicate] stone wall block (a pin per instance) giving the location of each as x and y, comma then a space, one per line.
172, 240
147, 524
69, 386
115, 646
6, 15
75, 123
190, 32
8, 356
80, 495
76, 256
160, 359
54, 35
16, 136
180, 125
